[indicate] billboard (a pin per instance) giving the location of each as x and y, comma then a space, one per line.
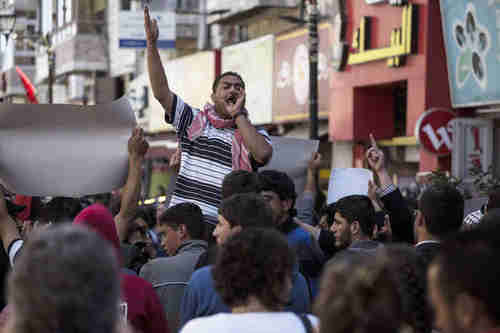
253, 60
132, 34
190, 77
471, 34
291, 72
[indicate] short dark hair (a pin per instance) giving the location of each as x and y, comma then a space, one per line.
357, 208
247, 210
85, 298
494, 198
218, 78
360, 295
256, 262
442, 206
238, 182
281, 184
147, 214
186, 213
466, 264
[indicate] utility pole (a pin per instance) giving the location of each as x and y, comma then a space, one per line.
52, 68
313, 16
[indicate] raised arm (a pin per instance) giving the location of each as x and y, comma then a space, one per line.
137, 148
156, 72
400, 215
8, 228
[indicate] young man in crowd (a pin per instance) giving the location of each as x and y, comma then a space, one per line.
440, 210
353, 225
237, 213
463, 283
214, 141
181, 231
278, 189
440, 213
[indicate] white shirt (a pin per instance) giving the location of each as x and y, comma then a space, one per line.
427, 242
257, 322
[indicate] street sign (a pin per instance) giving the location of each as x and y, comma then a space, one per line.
132, 34
434, 131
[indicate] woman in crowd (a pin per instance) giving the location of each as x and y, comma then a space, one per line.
252, 274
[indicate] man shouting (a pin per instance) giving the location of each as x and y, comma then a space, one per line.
214, 140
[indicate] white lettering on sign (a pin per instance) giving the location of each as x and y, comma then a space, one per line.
391, 2
443, 133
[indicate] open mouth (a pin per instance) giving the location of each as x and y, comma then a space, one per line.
231, 100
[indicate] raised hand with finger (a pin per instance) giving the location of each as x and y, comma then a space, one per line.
151, 28
375, 156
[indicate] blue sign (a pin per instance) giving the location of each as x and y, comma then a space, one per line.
471, 33
132, 34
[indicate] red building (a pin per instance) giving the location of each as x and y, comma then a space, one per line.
372, 97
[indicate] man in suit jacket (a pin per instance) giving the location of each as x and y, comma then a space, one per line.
440, 210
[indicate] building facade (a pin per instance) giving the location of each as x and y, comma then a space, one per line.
18, 52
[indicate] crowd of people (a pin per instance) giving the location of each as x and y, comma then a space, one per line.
239, 250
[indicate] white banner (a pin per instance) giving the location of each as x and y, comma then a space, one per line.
64, 150
292, 156
346, 182
132, 34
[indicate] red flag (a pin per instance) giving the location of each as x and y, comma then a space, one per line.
28, 86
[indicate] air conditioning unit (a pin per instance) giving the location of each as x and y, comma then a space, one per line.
188, 5
76, 86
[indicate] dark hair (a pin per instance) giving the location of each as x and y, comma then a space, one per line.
442, 206
218, 78
491, 219
247, 210
147, 214
240, 181
256, 262
410, 277
281, 184
329, 211
186, 213
357, 208
359, 294
59, 282
494, 198
60, 209
467, 264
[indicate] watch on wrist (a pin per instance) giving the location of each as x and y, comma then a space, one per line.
240, 113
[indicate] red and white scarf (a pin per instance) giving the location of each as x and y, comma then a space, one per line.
241, 157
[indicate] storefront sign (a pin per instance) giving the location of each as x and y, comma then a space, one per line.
471, 34
402, 41
472, 147
253, 60
291, 73
434, 131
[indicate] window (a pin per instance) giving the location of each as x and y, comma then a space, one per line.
126, 4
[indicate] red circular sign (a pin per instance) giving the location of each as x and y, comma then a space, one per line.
434, 131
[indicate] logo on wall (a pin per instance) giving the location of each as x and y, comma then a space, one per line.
474, 42
434, 131
297, 74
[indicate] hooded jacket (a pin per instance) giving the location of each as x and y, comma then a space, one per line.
144, 310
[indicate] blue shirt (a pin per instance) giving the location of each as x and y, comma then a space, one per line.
201, 299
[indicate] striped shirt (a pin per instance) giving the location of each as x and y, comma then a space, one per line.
204, 162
